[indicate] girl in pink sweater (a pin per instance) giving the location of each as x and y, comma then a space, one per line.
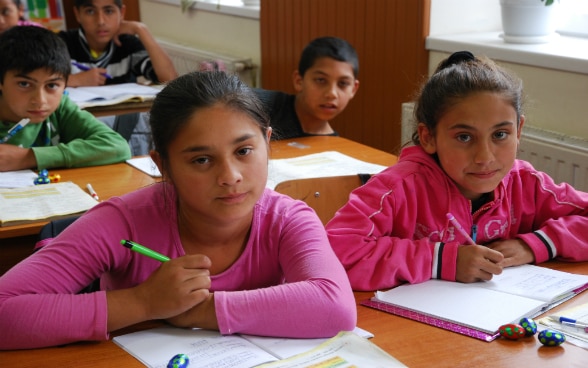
395, 229
244, 259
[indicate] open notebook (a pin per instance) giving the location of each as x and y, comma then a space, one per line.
111, 94
479, 309
42, 202
211, 349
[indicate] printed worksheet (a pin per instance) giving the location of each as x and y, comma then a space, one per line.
318, 165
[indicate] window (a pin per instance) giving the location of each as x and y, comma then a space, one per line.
228, 7
574, 18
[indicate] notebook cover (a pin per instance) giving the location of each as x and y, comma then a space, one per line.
468, 331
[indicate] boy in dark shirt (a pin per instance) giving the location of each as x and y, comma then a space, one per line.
113, 50
325, 82
107, 49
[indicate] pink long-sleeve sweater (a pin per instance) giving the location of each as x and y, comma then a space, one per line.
287, 282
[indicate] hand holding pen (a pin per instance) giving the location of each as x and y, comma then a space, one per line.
174, 287
459, 228
474, 263
87, 68
15, 129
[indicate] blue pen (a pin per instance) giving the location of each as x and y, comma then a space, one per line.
85, 68
565, 321
474, 232
15, 129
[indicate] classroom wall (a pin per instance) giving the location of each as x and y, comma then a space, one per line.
221, 33
389, 37
557, 99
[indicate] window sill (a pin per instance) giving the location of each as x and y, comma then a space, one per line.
228, 9
564, 53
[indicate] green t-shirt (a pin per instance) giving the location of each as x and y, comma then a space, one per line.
70, 137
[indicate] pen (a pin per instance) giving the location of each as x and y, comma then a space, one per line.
565, 321
144, 250
92, 192
457, 225
15, 129
85, 68
474, 232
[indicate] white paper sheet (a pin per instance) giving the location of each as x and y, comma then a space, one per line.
324, 164
17, 179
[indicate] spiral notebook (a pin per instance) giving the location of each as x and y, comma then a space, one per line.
479, 309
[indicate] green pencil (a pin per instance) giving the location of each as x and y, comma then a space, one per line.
144, 250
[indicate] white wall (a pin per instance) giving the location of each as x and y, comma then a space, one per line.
556, 99
224, 34
457, 16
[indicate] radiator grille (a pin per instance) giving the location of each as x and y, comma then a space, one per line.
187, 59
563, 157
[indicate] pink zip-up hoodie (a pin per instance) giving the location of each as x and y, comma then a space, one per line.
394, 228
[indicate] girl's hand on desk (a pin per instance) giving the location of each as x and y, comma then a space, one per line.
477, 263
16, 158
516, 252
176, 286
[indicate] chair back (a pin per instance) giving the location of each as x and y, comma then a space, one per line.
324, 195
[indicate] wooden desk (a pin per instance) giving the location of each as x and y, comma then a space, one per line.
414, 344
305, 146
420, 345
120, 109
107, 181
16, 242
118, 179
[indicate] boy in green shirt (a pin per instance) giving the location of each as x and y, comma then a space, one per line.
34, 68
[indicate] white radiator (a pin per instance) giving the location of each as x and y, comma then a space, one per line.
563, 157
187, 59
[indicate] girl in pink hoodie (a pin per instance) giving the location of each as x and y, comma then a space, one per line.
395, 228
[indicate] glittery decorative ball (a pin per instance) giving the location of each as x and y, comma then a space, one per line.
551, 338
179, 361
511, 331
43, 177
529, 325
